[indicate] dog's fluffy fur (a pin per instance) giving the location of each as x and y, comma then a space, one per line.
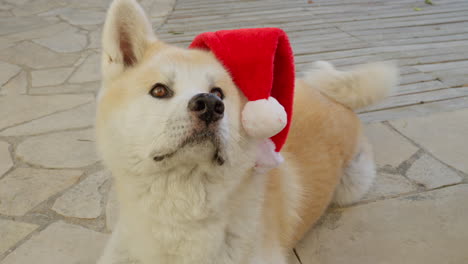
177, 204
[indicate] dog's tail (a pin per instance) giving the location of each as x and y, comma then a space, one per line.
357, 88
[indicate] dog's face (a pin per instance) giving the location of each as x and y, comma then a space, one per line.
162, 107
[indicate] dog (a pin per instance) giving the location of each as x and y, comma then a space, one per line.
186, 187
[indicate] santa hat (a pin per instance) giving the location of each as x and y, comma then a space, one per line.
260, 61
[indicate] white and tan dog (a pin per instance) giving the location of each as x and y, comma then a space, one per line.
186, 185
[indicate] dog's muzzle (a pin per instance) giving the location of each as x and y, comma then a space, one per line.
198, 138
206, 107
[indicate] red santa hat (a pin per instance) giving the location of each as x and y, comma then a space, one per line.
260, 61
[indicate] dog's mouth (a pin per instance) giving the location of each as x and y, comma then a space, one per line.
196, 138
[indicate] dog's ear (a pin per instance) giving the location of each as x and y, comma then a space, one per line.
126, 36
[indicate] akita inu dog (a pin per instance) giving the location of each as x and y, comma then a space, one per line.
187, 189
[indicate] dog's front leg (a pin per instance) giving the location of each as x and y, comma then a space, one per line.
116, 251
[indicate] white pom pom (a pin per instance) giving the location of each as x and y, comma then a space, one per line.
263, 118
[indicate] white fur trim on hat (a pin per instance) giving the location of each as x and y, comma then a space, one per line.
263, 118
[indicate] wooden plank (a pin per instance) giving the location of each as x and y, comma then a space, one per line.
439, 58
419, 98
425, 55
384, 49
415, 110
207, 7
428, 52
416, 77
399, 24
443, 66
322, 33
328, 46
453, 77
410, 31
303, 19
320, 9
245, 16
404, 70
423, 40
420, 87
305, 38
416, 57
343, 23
187, 4
299, 13
227, 12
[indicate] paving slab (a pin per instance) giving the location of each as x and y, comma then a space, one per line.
427, 228
160, 8
5, 7
5, 44
17, 85
79, 117
37, 6
292, 259
442, 134
72, 149
78, 16
12, 232
90, 70
76, 88
58, 244
20, 24
42, 32
37, 57
430, 173
389, 147
102, 4
7, 71
5, 158
112, 210
84, 199
24, 188
95, 39
16, 2
15, 110
50, 76
70, 40
387, 185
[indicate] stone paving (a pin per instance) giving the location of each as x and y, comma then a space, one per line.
56, 203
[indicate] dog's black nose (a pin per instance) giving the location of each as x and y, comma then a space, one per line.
207, 107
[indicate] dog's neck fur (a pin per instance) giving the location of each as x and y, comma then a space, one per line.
184, 193
186, 206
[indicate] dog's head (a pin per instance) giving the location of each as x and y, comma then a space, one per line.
160, 106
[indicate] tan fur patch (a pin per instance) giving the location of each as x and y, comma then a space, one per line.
321, 142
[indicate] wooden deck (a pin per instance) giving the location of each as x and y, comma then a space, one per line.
429, 42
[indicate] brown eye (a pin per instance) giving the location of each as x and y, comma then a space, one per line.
160, 90
218, 92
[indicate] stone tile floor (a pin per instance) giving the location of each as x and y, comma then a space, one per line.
55, 203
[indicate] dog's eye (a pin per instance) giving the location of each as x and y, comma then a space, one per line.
160, 90
218, 92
